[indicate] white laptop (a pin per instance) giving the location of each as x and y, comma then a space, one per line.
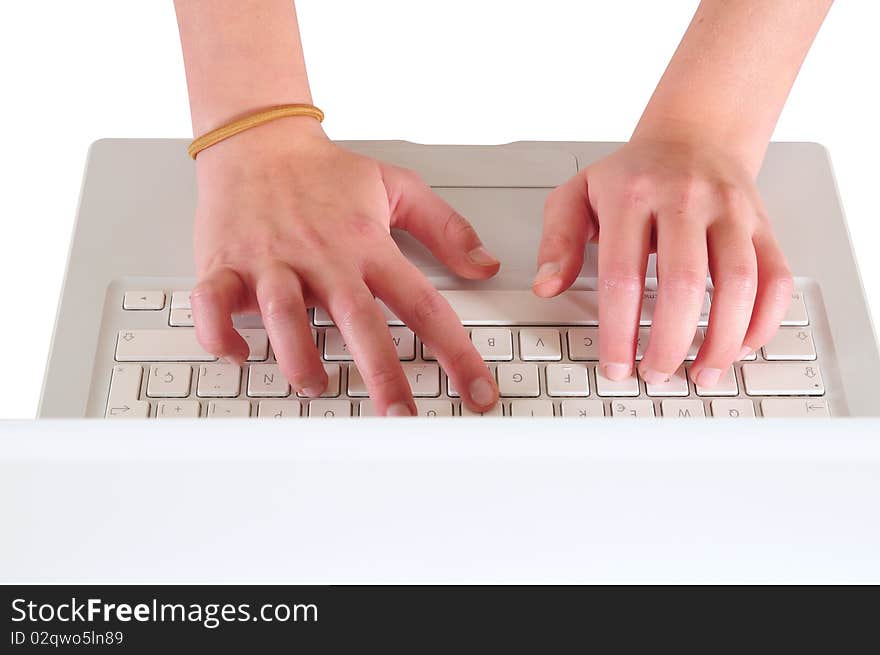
765, 477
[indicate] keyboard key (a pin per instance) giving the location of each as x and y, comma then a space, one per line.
791, 344
453, 392
279, 409
531, 408
639, 408
794, 408
169, 381
583, 344
734, 408
649, 303
583, 408
495, 411
782, 379
682, 408
130, 409
726, 386
539, 344
143, 300
323, 318
125, 384
335, 348
424, 379
181, 318
675, 385
330, 408
181, 300
219, 381
644, 338
797, 311
404, 342
495, 344
515, 307
518, 380
625, 387
333, 381
427, 354
179, 409
229, 409
267, 381
178, 345
434, 408
568, 380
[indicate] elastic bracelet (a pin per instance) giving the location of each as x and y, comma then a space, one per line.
246, 123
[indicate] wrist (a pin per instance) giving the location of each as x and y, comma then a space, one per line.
277, 139
745, 149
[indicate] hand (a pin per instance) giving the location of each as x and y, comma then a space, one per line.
287, 219
697, 208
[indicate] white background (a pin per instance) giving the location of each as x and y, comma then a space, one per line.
452, 72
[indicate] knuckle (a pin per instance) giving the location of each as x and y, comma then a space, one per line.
428, 306
354, 308
281, 307
560, 241
687, 280
689, 192
620, 280
384, 376
636, 190
741, 279
457, 228
733, 198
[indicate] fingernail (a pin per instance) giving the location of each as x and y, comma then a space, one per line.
708, 377
547, 271
616, 371
398, 409
481, 257
482, 392
654, 377
311, 392
745, 352
231, 359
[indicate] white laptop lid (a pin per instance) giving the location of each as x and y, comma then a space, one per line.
437, 501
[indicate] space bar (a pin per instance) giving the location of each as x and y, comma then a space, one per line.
515, 307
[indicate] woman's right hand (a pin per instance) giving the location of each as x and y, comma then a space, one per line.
286, 220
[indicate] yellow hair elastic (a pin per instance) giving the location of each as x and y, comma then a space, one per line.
246, 123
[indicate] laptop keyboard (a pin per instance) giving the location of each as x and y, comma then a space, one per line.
544, 354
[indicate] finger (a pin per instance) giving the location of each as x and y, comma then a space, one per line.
623, 258
775, 286
362, 325
280, 296
418, 304
734, 270
567, 228
430, 219
214, 299
681, 289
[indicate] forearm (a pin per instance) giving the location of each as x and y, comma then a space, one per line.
729, 78
240, 56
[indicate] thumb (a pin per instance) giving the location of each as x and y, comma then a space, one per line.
430, 219
567, 227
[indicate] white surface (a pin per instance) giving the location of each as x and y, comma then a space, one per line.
462, 72
445, 504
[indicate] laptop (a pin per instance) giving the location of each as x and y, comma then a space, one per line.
772, 477
124, 345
